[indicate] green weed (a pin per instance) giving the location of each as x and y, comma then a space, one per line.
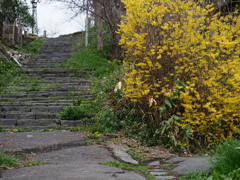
134, 154
169, 167
2, 129
34, 86
34, 163
8, 72
8, 161
227, 157
196, 175
127, 166
73, 113
33, 47
72, 93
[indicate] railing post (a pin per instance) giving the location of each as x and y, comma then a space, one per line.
4, 29
13, 33
44, 33
19, 33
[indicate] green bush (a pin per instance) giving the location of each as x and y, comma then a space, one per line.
73, 113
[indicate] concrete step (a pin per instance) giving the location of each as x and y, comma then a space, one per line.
42, 65
25, 123
28, 115
36, 100
30, 108
47, 60
58, 86
49, 72
47, 92
29, 94
36, 128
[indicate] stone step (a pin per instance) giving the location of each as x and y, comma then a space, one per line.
36, 104
45, 91
49, 103
42, 65
48, 60
48, 72
35, 128
40, 124
67, 81
63, 80
67, 85
54, 56
64, 104
24, 123
56, 93
55, 81
40, 89
30, 108
34, 100
28, 115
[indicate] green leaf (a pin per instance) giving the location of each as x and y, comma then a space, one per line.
179, 90
173, 100
163, 110
170, 120
167, 102
216, 175
210, 177
163, 129
214, 125
173, 139
180, 83
220, 121
178, 119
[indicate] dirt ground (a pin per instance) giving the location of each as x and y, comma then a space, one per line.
149, 152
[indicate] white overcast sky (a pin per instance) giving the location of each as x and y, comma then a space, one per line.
53, 18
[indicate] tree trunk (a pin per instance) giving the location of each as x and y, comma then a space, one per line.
113, 11
98, 9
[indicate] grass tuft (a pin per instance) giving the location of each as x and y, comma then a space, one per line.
8, 161
227, 157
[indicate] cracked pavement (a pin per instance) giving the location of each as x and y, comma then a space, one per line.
73, 160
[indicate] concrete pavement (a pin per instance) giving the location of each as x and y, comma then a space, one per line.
69, 158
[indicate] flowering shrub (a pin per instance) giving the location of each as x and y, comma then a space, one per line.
183, 69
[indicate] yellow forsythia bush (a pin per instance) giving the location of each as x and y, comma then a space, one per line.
180, 55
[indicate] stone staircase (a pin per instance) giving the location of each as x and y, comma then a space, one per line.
36, 102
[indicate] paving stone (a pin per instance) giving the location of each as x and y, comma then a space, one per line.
120, 152
165, 177
154, 163
186, 164
128, 174
160, 173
